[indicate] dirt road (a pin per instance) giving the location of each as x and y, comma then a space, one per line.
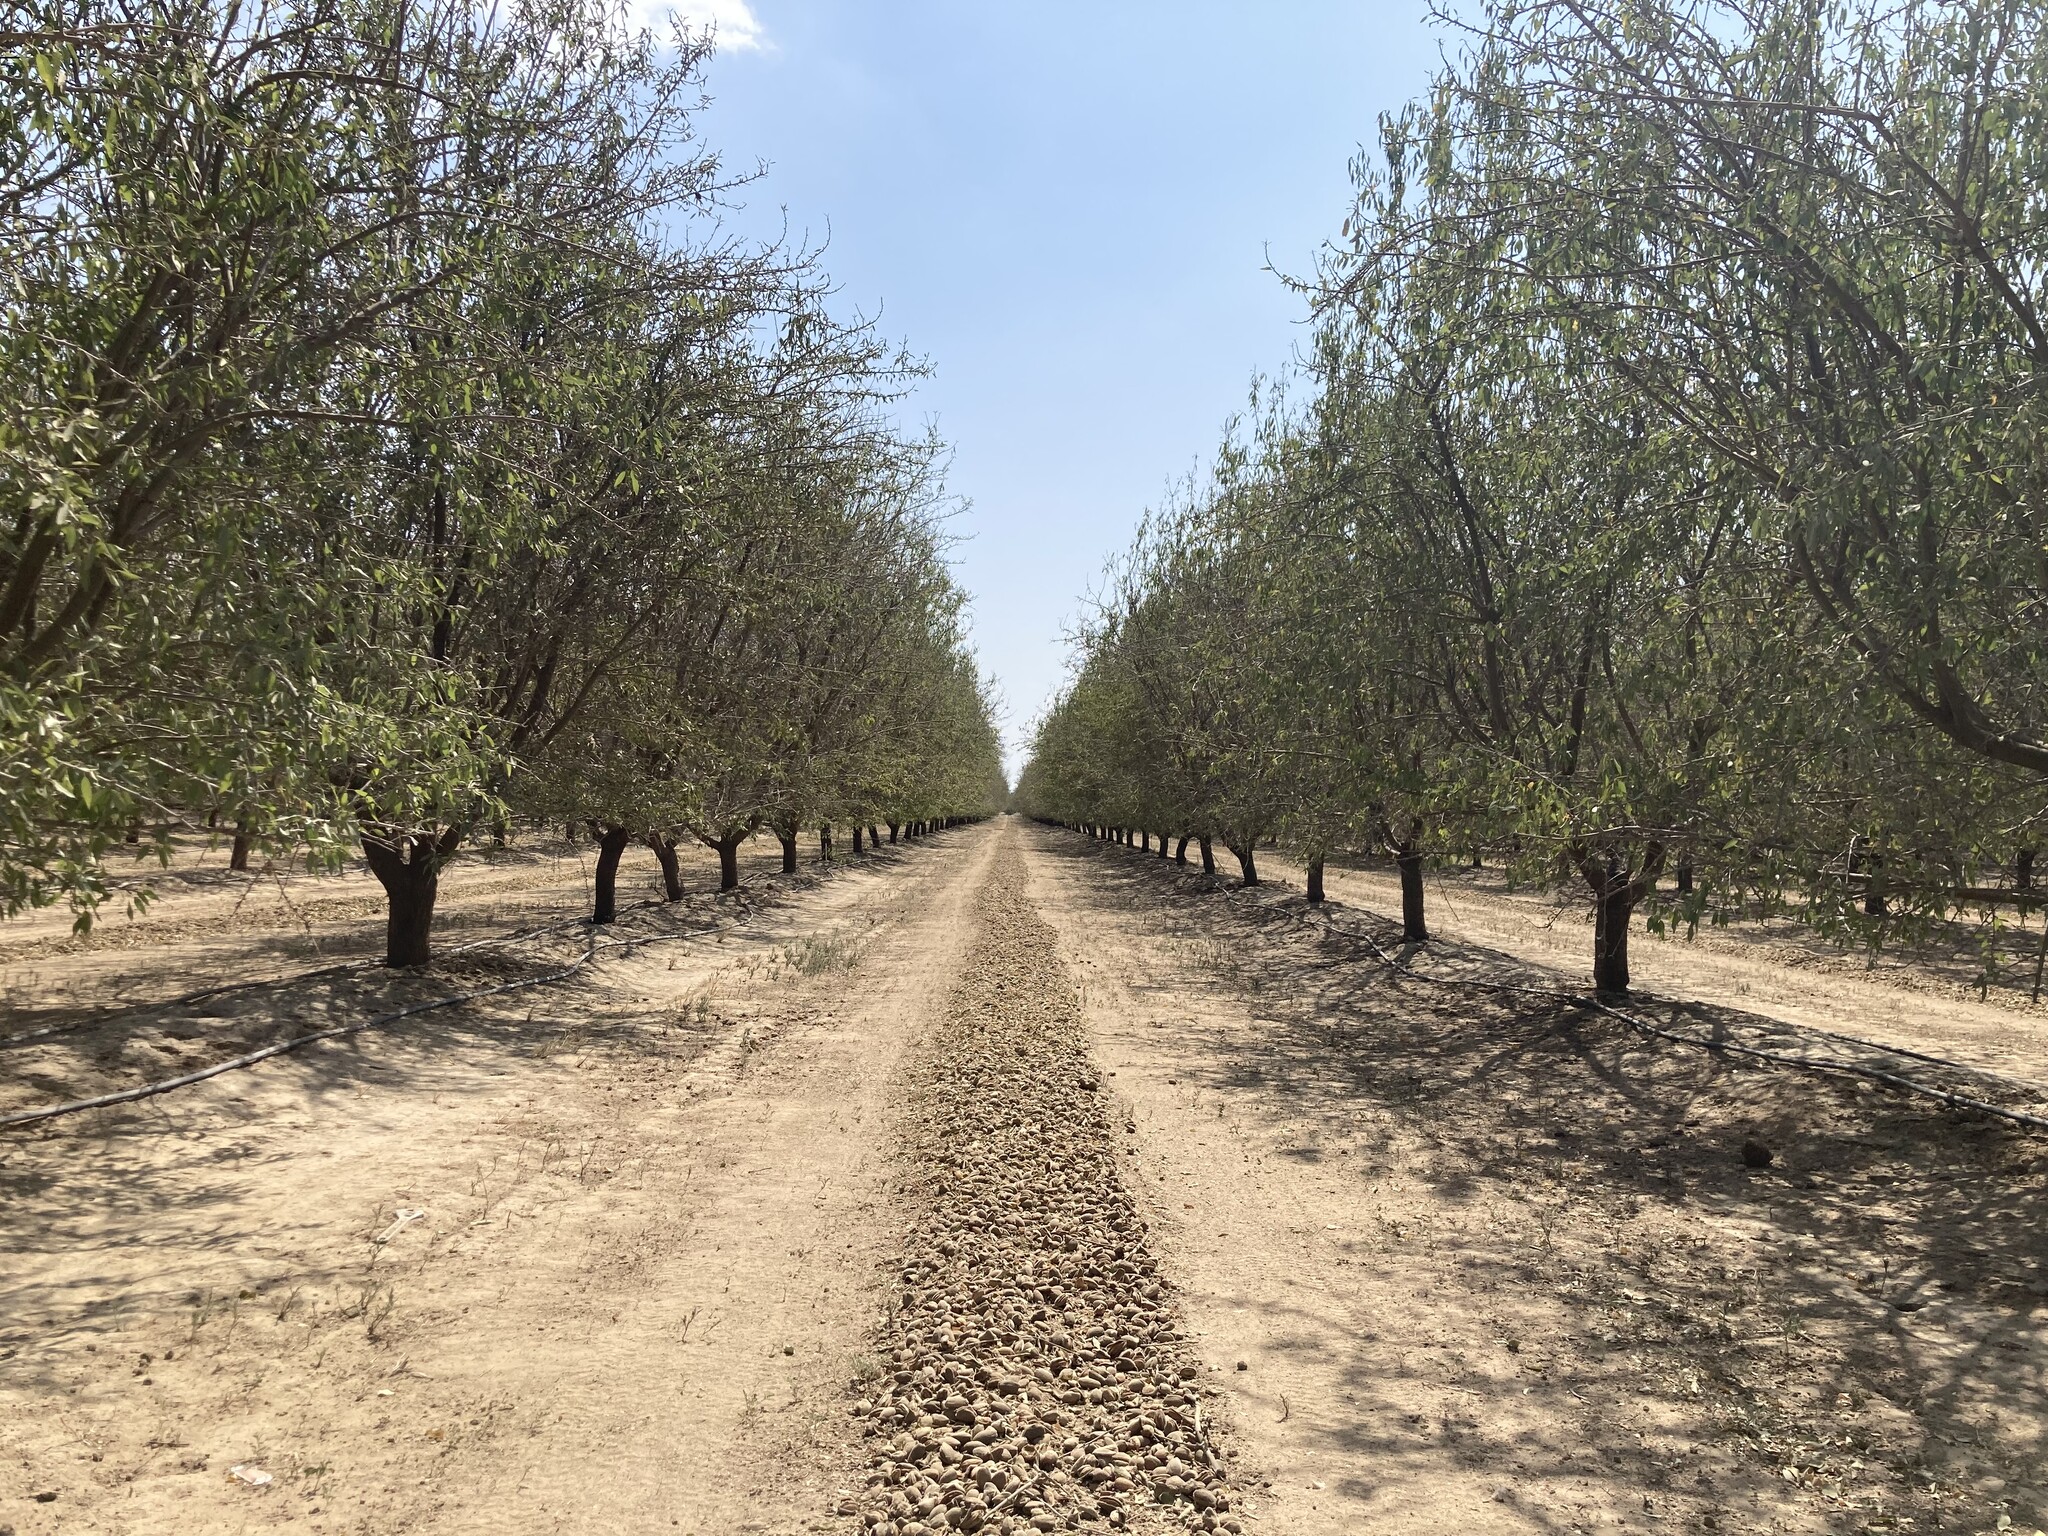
600, 1261
1012, 1183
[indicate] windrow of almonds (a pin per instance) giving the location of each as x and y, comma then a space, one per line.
1033, 1374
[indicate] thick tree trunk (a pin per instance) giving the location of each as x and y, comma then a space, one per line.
1208, 857
2023, 870
1414, 929
611, 847
1315, 882
409, 869
729, 861
787, 837
1180, 851
893, 826
874, 836
238, 851
1873, 890
1615, 897
856, 840
664, 849
1162, 845
1685, 877
1245, 864
1610, 940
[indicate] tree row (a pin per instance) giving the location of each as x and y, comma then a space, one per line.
1662, 508
392, 441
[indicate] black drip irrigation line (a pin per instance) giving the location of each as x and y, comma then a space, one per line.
412, 1010
186, 1000
249, 1059
1777, 1058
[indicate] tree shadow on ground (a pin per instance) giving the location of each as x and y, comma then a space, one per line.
1892, 1254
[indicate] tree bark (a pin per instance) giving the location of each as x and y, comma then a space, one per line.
856, 840
1162, 845
1685, 876
664, 848
1615, 896
1315, 882
892, 833
409, 869
1208, 857
787, 837
1180, 852
2023, 870
729, 861
611, 847
874, 836
1245, 864
1414, 929
238, 851
825, 845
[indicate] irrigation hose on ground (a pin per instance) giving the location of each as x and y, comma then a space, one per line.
250, 1058
1893, 1080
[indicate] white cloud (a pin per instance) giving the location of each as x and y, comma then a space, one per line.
737, 27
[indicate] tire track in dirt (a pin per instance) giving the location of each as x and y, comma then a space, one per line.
1036, 1376
647, 1252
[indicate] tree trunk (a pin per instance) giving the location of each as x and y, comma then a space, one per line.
1245, 864
856, 839
1180, 852
729, 861
787, 837
409, 869
238, 851
1615, 895
1208, 857
1873, 890
1611, 913
1685, 876
892, 833
1414, 929
2023, 870
1478, 859
1162, 845
1315, 882
825, 845
611, 847
664, 849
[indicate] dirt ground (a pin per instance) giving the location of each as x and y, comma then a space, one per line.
1006, 1181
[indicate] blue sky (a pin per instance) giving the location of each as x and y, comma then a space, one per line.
1067, 210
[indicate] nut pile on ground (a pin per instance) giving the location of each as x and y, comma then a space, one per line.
1034, 1376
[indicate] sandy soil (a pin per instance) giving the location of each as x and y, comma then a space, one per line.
1926, 999
638, 1276
751, 1228
1473, 1267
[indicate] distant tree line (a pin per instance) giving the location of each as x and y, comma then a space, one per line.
1666, 507
391, 443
